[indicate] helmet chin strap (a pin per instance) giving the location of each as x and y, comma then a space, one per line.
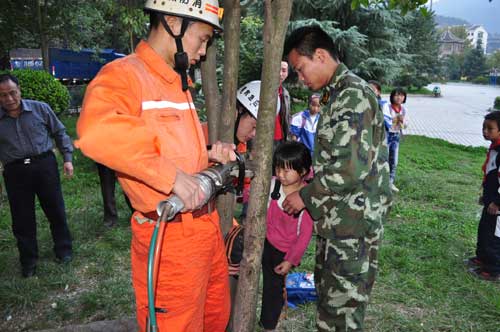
181, 59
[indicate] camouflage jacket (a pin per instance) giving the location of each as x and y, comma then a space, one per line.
350, 193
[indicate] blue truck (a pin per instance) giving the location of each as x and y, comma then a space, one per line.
66, 65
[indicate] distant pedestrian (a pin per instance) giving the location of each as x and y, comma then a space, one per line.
282, 120
399, 116
486, 263
107, 180
27, 128
304, 124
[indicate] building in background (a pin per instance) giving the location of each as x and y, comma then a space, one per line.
477, 34
450, 44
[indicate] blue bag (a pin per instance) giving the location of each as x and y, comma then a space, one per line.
300, 288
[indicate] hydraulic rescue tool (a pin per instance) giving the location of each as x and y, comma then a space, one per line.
215, 180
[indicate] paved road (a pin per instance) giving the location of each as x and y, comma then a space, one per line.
456, 117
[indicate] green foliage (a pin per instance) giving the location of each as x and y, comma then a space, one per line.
251, 49
72, 24
493, 60
474, 62
496, 104
403, 5
452, 66
423, 47
481, 80
255, 7
300, 92
40, 85
134, 22
300, 96
374, 41
16, 25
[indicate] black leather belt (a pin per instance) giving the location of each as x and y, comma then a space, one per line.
205, 209
28, 160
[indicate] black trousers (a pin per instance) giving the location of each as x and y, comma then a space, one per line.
22, 183
107, 178
273, 290
488, 245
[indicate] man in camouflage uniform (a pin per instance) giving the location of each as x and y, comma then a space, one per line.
350, 194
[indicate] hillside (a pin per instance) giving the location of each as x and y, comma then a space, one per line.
473, 11
445, 21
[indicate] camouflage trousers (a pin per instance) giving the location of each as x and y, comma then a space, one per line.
344, 275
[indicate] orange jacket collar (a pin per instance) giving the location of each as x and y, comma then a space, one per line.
155, 62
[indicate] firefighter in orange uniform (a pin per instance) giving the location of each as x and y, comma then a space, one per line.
139, 119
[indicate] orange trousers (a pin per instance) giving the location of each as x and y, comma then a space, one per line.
192, 292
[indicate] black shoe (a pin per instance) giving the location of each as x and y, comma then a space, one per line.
484, 275
28, 271
64, 259
473, 262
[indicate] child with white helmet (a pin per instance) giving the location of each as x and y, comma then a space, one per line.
248, 97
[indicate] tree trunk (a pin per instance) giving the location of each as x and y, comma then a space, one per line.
211, 92
277, 14
131, 39
41, 13
232, 10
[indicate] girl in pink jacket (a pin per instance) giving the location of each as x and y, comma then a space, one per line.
287, 236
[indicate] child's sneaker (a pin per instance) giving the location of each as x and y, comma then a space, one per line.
481, 274
473, 262
394, 188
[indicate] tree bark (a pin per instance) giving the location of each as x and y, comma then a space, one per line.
232, 11
277, 14
211, 92
41, 13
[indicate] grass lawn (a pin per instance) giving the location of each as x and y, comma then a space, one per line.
422, 284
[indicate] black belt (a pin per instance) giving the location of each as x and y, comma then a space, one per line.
205, 209
28, 160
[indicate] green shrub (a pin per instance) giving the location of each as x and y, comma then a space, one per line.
496, 105
40, 85
299, 92
481, 80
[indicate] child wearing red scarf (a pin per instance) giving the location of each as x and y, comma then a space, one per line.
486, 264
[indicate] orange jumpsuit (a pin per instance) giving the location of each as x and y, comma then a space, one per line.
137, 120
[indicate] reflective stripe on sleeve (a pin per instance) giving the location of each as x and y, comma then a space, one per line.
152, 104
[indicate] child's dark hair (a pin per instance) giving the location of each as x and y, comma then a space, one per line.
398, 91
376, 84
294, 155
314, 96
494, 116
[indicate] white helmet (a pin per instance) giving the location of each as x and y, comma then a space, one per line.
207, 11
249, 95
